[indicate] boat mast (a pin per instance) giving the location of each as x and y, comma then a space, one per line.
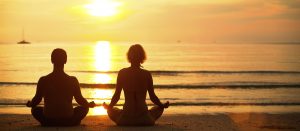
23, 33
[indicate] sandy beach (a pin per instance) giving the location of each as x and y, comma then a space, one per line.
228, 122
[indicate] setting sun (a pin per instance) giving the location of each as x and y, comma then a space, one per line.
103, 8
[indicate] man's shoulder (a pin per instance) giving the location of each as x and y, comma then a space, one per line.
72, 77
50, 76
45, 77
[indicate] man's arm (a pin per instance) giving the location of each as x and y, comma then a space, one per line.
38, 95
78, 96
153, 96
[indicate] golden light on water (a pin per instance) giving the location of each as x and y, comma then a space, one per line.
102, 56
102, 62
97, 111
101, 95
102, 78
103, 8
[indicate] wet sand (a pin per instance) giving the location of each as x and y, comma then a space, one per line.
231, 121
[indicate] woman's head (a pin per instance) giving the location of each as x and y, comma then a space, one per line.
136, 54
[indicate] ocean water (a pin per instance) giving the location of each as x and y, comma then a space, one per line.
209, 77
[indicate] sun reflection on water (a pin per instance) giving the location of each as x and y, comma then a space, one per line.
102, 78
102, 54
97, 111
99, 96
102, 94
102, 62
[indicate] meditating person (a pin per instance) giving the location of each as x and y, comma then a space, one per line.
58, 90
135, 82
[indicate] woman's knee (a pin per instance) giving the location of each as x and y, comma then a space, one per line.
157, 109
156, 112
114, 113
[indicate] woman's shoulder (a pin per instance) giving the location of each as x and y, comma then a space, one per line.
146, 71
128, 69
123, 70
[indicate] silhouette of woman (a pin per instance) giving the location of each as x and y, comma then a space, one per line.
135, 82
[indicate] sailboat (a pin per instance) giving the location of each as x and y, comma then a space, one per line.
23, 41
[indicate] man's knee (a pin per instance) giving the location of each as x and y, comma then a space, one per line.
81, 109
80, 112
36, 110
37, 113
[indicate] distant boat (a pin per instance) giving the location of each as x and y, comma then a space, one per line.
23, 41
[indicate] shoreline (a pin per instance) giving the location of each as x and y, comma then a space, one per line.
182, 110
216, 121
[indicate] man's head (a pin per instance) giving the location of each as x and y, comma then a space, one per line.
59, 56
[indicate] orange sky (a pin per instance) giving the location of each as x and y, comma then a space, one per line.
152, 20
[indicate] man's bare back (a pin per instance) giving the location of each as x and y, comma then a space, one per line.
58, 90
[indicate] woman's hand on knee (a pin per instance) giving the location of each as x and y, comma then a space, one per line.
107, 107
165, 105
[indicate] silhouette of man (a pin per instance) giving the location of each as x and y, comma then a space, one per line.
58, 90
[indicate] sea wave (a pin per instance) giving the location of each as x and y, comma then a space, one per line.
194, 104
177, 72
233, 85
194, 71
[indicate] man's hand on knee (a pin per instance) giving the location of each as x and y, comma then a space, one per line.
92, 104
28, 104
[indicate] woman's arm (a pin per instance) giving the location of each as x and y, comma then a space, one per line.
152, 94
118, 90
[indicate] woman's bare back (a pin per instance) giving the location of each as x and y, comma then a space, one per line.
135, 82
